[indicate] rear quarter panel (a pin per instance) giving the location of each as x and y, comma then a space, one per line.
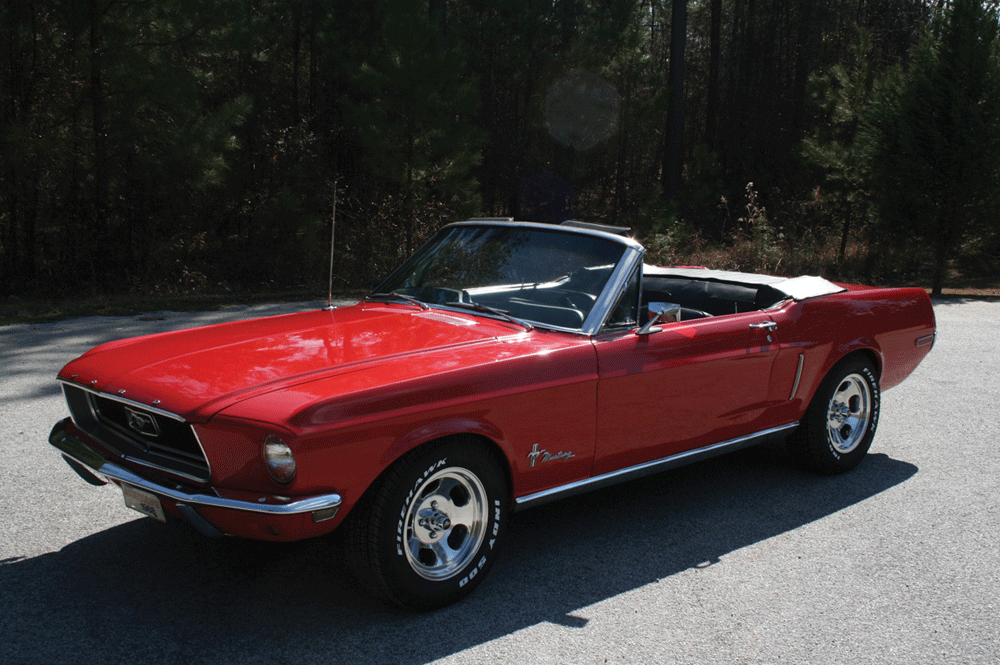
894, 327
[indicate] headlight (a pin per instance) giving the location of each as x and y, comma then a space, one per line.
279, 459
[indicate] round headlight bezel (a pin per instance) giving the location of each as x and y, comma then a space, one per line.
279, 459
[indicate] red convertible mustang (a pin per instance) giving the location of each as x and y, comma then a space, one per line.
502, 366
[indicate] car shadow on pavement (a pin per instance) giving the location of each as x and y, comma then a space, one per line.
145, 592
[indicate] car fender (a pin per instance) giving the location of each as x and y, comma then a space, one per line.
444, 428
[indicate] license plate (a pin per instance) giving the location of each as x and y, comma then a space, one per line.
144, 502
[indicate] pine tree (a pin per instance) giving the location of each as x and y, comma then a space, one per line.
412, 106
934, 136
844, 92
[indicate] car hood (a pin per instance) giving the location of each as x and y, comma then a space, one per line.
197, 372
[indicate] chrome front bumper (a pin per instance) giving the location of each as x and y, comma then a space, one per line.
93, 467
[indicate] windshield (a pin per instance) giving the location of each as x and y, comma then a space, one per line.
547, 277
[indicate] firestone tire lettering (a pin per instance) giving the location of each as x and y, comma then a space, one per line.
839, 425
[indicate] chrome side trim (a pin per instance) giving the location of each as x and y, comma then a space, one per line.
648, 468
90, 461
798, 377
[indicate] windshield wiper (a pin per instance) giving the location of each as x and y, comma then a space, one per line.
395, 295
486, 309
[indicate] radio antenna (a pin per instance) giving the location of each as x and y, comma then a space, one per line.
333, 229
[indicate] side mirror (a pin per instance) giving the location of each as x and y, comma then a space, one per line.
659, 313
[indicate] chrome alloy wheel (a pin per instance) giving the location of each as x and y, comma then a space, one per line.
445, 523
849, 412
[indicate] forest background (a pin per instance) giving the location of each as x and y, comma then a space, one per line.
205, 146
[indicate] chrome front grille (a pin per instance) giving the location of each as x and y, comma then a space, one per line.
146, 436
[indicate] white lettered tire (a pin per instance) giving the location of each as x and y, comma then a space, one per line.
839, 425
428, 532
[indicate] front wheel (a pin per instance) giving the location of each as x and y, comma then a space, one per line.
839, 424
431, 528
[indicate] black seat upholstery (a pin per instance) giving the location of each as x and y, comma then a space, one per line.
706, 297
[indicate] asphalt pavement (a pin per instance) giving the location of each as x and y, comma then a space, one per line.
740, 559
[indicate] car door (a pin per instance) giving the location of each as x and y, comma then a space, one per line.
689, 385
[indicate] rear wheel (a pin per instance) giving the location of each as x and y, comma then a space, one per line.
429, 531
839, 424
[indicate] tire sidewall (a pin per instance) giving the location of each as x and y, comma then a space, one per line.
836, 458
407, 585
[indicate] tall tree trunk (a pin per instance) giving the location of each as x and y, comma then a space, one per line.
714, 58
437, 10
673, 160
296, 59
8, 116
73, 220
806, 11
408, 198
728, 130
945, 239
741, 149
30, 219
624, 147
846, 232
100, 203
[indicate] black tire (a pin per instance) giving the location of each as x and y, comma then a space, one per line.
838, 427
429, 530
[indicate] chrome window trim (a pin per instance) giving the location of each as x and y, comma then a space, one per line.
152, 409
605, 327
604, 304
573, 230
647, 468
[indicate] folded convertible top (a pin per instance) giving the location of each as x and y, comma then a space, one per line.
798, 288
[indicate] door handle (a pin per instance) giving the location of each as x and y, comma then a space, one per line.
766, 325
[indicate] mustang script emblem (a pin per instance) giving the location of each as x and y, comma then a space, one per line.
546, 455
143, 423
